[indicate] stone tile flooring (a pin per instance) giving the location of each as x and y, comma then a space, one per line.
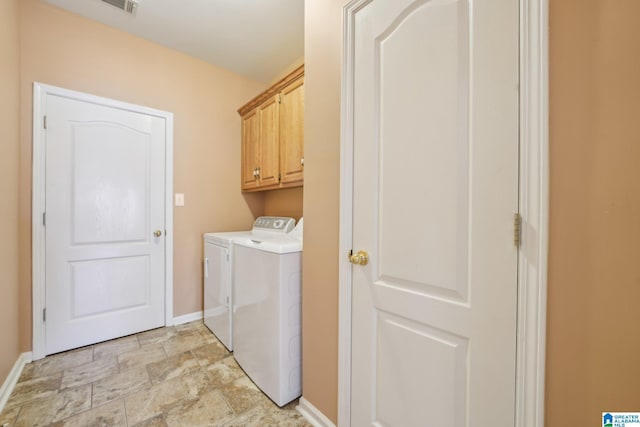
177, 376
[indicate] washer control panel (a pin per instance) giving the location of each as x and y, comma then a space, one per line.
277, 224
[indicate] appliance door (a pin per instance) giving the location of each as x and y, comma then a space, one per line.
217, 292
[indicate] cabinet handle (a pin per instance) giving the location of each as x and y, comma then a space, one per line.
302, 161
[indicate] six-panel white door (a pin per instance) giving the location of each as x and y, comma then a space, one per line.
435, 122
105, 195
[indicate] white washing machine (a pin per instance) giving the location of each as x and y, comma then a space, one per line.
218, 295
267, 273
218, 277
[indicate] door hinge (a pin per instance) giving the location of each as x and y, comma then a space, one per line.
44, 121
44, 218
279, 99
517, 229
44, 314
279, 177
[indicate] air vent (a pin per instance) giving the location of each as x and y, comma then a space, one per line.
128, 6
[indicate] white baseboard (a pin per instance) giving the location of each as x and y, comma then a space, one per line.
313, 415
13, 377
186, 318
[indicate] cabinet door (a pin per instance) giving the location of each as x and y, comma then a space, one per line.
292, 132
250, 135
269, 143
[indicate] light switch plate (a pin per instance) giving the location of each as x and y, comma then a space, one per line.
179, 199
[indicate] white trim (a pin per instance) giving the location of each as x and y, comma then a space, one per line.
534, 201
13, 377
186, 318
40, 92
168, 220
346, 217
38, 249
313, 415
534, 208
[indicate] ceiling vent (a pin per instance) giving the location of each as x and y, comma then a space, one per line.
129, 6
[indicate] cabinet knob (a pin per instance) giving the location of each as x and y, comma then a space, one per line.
302, 161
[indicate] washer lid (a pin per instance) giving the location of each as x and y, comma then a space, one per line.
273, 244
225, 238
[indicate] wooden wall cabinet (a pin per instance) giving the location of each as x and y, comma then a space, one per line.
292, 132
273, 136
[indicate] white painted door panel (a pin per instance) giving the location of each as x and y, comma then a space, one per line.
435, 189
104, 200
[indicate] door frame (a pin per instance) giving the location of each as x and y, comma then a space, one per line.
533, 206
38, 248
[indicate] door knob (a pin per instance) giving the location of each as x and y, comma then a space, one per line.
157, 233
359, 258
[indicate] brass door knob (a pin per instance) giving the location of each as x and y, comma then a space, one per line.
157, 233
359, 258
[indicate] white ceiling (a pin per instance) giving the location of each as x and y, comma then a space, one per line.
254, 38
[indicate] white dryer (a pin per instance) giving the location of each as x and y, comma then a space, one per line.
218, 282
267, 273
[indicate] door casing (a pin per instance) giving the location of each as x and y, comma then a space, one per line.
533, 207
38, 252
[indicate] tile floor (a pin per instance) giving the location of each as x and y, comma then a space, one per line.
177, 376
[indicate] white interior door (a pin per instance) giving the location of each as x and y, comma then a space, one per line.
435, 187
105, 192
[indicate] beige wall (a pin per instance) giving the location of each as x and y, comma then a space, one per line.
66, 50
323, 59
9, 144
593, 337
287, 202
